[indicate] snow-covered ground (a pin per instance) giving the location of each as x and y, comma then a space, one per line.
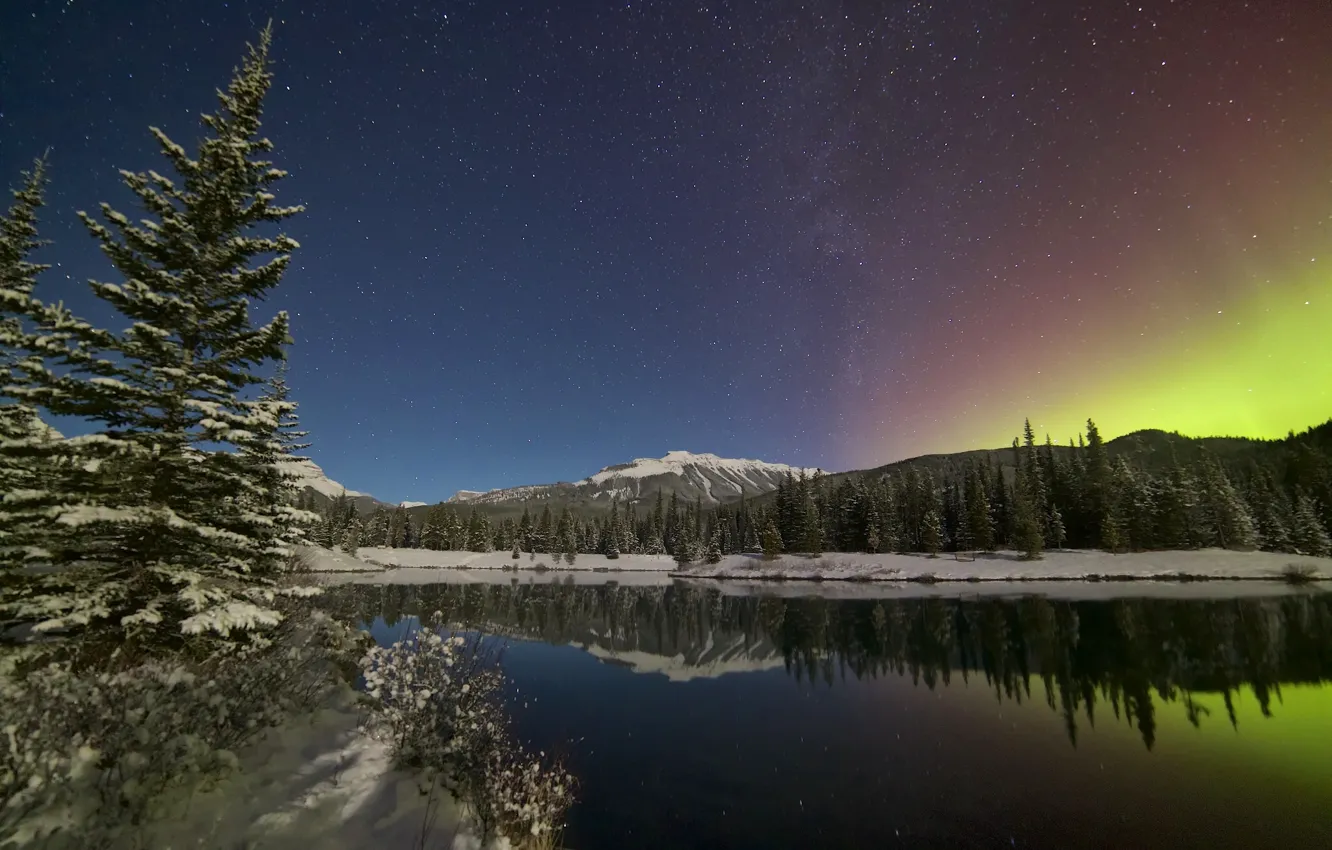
425, 565
430, 558
1066, 590
328, 561
1063, 565
316, 782
445, 575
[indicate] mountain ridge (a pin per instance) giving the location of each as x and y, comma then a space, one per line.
705, 476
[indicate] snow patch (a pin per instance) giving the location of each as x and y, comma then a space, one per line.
412, 504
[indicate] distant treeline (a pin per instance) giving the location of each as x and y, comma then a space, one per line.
1275, 496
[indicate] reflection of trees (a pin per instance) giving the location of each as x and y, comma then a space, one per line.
1085, 654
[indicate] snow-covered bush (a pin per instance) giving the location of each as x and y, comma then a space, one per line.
434, 697
88, 757
521, 796
438, 705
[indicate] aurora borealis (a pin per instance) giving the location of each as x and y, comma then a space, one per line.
546, 237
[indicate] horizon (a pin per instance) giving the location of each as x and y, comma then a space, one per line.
537, 241
417, 501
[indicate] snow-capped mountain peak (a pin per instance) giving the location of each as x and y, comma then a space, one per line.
309, 474
681, 462
466, 495
691, 475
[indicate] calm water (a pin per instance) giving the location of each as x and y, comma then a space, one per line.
703, 720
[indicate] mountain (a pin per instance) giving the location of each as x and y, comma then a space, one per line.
310, 478
715, 480
310, 475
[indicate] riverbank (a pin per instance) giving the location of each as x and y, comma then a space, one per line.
1061, 565
418, 565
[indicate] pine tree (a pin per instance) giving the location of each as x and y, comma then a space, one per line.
713, 555
266, 455
1225, 515
1310, 537
1112, 535
1098, 482
544, 539
686, 546
28, 465
811, 527
1055, 526
164, 541
1028, 535
570, 544
979, 524
351, 538
931, 533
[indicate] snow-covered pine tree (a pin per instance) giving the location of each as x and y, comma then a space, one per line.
686, 547
268, 454
713, 555
1055, 528
1225, 516
351, 537
1309, 535
772, 541
169, 545
931, 533
980, 527
569, 542
28, 466
1028, 535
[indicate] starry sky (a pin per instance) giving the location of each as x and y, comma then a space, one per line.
547, 236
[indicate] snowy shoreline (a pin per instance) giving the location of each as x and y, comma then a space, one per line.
415, 565
1056, 566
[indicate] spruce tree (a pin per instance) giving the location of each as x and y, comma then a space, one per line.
1098, 481
1225, 515
1028, 534
28, 464
713, 555
570, 546
686, 546
351, 537
1310, 537
979, 525
1055, 527
164, 540
931, 533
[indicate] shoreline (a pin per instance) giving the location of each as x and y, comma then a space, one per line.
1064, 565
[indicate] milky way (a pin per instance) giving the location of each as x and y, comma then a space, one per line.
545, 237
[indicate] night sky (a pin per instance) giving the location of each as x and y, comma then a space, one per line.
544, 237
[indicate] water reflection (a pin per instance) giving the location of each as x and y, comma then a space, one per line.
1128, 658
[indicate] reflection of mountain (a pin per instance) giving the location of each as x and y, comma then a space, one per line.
1089, 655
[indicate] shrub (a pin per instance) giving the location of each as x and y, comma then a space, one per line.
437, 704
1299, 573
91, 753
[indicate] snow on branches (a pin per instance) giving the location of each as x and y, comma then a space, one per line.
437, 704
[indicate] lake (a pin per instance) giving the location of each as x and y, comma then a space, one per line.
704, 718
